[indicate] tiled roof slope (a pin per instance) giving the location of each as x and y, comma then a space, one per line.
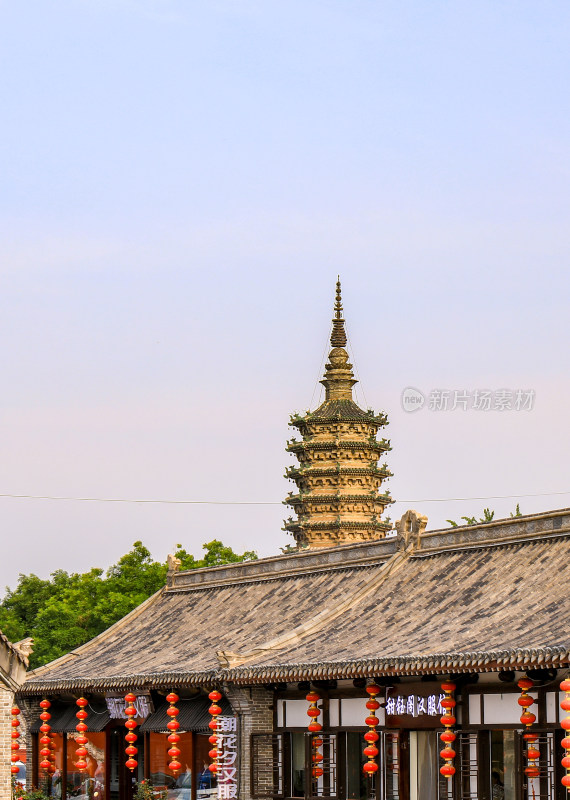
474, 598
13, 663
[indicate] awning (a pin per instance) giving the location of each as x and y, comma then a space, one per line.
63, 719
193, 716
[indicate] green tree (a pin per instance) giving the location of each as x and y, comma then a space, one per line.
488, 516
69, 609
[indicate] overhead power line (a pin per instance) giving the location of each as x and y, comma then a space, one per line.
258, 502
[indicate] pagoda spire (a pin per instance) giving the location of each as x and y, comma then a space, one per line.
339, 378
338, 335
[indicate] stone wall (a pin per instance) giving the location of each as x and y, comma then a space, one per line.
254, 707
6, 701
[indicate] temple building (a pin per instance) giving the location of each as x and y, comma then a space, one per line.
420, 665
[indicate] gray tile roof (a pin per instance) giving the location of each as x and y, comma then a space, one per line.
474, 598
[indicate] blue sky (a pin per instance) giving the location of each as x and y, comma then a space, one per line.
181, 182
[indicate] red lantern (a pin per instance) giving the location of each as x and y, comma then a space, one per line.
527, 718
130, 724
81, 739
565, 723
15, 747
174, 765
372, 704
313, 712
215, 710
448, 721
46, 730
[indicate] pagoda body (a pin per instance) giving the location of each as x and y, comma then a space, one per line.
338, 478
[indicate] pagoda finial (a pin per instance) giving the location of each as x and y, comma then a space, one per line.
339, 377
338, 335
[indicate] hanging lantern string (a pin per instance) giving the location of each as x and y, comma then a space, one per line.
314, 728
81, 738
215, 711
15, 735
448, 721
173, 725
565, 723
45, 739
131, 737
371, 735
532, 753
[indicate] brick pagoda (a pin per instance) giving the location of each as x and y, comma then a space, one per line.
338, 477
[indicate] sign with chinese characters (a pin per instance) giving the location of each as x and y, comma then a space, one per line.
414, 705
228, 776
116, 707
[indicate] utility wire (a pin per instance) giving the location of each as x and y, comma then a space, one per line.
258, 502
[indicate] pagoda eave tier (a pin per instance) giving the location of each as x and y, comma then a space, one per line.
339, 410
381, 446
295, 499
325, 472
295, 526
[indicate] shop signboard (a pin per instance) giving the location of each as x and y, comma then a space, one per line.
228, 773
413, 706
116, 706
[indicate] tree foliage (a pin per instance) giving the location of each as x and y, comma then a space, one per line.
67, 609
488, 516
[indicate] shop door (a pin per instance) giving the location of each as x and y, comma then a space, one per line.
121, 780
325, 785
390, 766
423, 766
545, 786
468, 766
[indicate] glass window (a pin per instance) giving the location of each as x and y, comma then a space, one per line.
297, 764
391, 740
179, 787
92, 782
206, 786
503, 765
357, 784
55, 782
424, 764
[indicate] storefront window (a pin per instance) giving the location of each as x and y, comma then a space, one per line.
179, 788
298, 765
91, 783
392, 764
423, 765
55, 781
206, 783
503, 765
357, 784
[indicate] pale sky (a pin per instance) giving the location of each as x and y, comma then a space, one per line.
180, 184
